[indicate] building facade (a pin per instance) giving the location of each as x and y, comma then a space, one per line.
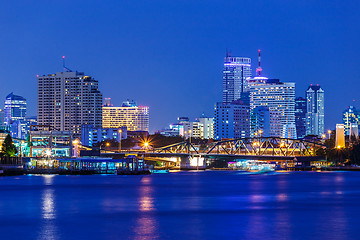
14, 109
260, 122
207, 127
91, 135
350, 116
231, 120
300, 117
279, 98
68, 100
130, 115
315, 114
235, 72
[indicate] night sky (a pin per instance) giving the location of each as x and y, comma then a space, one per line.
169, 54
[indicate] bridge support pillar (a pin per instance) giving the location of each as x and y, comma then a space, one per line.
192, 162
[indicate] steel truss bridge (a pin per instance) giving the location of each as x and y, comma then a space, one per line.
260, 147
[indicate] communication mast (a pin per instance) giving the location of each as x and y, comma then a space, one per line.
259, 69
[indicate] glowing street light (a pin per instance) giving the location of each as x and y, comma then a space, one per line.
120, 131
329, 132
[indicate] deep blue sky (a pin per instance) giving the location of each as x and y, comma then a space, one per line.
169, 54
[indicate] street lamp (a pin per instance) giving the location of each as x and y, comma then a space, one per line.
329, 132
189, 136
146, 145
120, 131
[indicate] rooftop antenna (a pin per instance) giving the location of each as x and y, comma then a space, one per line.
259, 69
228, 54
65, 68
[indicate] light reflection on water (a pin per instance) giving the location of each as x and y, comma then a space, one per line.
49, 228
146, 225
209, 205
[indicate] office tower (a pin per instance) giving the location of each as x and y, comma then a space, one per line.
15, 108
260, 122
232, 120
207, 127
68, 100
350, 116
300, 117
279, 98
340, 136
235, 72
315, 110
130, 115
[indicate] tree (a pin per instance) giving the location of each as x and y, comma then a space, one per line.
8, 147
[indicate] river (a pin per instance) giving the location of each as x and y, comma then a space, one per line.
182, 205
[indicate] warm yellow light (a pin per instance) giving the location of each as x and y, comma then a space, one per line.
324, 136
260, 131
338, 146
120, 131
329, 131
107, 144
146, 144
76, 141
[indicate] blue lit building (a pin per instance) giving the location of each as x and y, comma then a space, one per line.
91, 135
350, 116
260, 122
232, 120
15, 108
300, 117
235, 72
315, 114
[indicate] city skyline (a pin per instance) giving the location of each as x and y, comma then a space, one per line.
169, 59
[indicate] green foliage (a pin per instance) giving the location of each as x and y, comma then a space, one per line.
8, 147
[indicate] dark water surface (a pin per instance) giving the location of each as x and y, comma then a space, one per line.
183, 205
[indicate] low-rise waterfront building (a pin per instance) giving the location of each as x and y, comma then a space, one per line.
91, 135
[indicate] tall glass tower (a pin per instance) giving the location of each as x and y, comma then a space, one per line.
315, 110
235, 72
15, 109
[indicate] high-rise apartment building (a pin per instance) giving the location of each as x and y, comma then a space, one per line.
279, 97
300, 117
350, 116
231, 120
68, 100
130, 115
235, 72
315, 110
15, 108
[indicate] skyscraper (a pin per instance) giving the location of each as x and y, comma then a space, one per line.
350, 116
300, 117
15, 108
315, 110
235, 72
279, 97
67, 100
